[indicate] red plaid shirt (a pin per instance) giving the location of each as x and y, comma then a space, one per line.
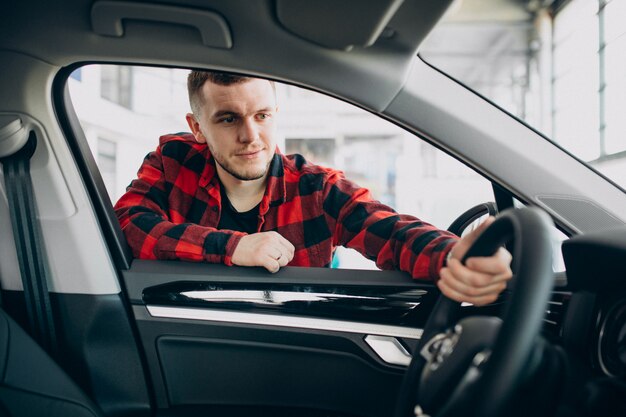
171, 211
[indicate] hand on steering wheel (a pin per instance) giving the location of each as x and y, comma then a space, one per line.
478, 280
472, 367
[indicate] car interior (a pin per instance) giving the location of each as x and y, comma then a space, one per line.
85, 329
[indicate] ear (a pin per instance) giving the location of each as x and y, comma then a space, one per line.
195, 128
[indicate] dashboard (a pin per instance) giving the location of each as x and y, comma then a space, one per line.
596, 275
594, 323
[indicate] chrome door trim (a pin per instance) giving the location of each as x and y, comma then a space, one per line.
283, 321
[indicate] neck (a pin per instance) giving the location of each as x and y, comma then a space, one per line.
243, 195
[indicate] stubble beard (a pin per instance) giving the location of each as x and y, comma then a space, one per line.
239, 174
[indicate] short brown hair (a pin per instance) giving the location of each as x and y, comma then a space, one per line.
196, 79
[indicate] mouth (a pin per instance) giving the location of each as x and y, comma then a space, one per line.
249, 154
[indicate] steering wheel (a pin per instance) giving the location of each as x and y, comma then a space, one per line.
473, 366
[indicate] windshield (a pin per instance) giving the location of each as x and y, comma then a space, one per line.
559, 65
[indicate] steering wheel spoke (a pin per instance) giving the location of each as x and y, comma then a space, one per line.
451, 359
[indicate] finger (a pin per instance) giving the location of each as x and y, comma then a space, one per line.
459, 297
490, 265
283, 260
287, 248
463, 245
271, 264
284, 242
486, 223
275, 251
473, 235
280, 252
469, 290
476, 278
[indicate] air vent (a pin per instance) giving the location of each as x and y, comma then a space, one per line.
555, 312
612, 340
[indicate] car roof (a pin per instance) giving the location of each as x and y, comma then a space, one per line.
261, 34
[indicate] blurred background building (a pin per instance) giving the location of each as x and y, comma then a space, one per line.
558, 65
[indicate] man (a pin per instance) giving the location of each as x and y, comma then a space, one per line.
225, 194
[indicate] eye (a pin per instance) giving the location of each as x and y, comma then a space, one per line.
228, 119
263, 116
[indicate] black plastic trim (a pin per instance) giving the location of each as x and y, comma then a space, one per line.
161, 283
383, 297
97, 349
504, 199
73, 132
396, 306
149, 273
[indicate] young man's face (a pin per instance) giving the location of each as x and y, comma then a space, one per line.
237, 123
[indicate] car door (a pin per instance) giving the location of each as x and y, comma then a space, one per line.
327, 342
234, 340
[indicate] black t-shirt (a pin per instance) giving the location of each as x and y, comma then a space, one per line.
231, 219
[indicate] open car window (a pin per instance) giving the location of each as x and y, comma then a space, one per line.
123, 110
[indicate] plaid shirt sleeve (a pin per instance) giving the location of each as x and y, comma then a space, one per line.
144, 215
392, 240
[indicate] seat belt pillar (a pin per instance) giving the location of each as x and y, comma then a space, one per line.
29, 243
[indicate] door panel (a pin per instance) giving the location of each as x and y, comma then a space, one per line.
290, 342
97, 347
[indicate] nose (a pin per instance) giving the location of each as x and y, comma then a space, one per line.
249, 131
